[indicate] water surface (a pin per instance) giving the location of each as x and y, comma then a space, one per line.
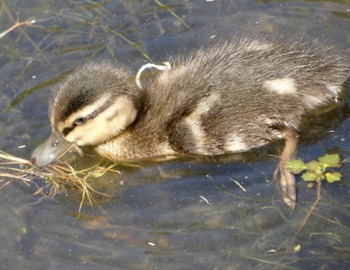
181, 214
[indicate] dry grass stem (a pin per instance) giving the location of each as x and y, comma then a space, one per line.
17, 23
58, 177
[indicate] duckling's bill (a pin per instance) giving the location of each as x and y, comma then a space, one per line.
53, 148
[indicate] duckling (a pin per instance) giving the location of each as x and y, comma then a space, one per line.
229, 98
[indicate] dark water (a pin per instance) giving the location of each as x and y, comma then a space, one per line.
180, 214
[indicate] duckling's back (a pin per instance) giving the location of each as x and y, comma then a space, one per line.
239, 95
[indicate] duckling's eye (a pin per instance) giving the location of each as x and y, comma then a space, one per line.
80, 121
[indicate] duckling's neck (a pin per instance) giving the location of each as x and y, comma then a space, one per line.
129, 146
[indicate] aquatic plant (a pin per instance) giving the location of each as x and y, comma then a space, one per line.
316, 171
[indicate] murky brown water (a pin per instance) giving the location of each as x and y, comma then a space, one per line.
180, 214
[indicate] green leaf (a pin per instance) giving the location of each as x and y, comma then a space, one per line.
309, 176
314, 166
330, 160
333, 177
296, 166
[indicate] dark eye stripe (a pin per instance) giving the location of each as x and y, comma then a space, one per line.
92, 115
67, 130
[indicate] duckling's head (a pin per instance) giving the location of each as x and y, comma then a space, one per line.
93, 105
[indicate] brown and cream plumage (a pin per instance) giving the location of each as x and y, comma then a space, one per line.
229, 98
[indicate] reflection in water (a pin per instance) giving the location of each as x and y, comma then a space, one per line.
179, 214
